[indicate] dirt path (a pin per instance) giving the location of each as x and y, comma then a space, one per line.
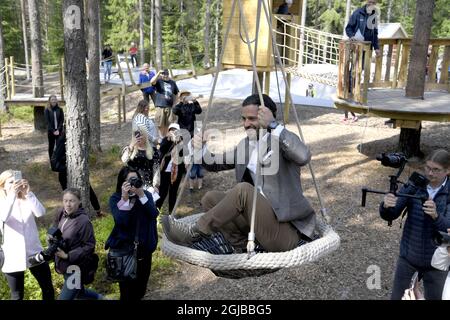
342, 166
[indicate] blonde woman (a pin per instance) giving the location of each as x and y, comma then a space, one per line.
142, 121
54, 116
139, 156
18, 209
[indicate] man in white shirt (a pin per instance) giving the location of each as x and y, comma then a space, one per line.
284, 216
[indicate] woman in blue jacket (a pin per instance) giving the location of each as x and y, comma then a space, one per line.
422, 222
130, 205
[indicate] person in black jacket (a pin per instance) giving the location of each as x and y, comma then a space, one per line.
171, 166
130, 206
423, 221
54, 116
58, 164
186, 110
79, 245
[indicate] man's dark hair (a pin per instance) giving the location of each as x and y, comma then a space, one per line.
268, 102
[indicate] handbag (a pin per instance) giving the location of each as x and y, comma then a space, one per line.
121, 263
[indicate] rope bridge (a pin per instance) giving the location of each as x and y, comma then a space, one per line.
307, 52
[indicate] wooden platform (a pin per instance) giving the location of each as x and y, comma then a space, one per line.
392, 104
28, 100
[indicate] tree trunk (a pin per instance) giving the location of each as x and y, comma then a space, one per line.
77, 125
25, 37
93, 92
216, 40
415, 85
389, 11
141, 34
206, 38
348, 8
36, 49
152, 32
409, 142
2, 65
158, 34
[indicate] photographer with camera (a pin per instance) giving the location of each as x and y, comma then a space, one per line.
74, 244
424, 219
134, 231
18, 209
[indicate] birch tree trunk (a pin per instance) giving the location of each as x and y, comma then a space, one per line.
93, 90
25, 37
206, 38
141, 34
77, 125
2, 65
158, 35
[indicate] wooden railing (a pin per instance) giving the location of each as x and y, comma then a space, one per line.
353, 60
391, 68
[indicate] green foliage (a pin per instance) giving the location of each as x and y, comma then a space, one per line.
21, 113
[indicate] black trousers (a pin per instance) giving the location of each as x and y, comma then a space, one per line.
166, 187
51, 143
62, 177
147, 96
133, 290
43, 276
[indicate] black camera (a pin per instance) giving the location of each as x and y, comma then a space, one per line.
136, 182
418, 180
393, 160
55, 241
441, 238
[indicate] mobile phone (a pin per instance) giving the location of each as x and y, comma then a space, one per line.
137, 134
414, 280
17, 175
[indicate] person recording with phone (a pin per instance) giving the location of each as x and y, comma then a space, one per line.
135, 216
424, 219
20, 237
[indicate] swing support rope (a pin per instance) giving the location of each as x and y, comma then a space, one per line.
251, 236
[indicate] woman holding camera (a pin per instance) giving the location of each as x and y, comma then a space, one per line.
18, 209
423, 220
134, 220
77, 248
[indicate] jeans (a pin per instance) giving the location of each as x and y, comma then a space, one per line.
43, 276
433, 280
108, 67
196, 171
81, 293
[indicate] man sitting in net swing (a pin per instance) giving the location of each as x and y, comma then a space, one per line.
284, 217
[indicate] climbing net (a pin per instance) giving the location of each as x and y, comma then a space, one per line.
307, 52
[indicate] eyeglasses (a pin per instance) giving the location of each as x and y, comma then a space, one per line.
433, 170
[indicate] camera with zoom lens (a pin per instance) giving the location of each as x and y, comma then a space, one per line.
441, 239
393, 160
136, 182
55, 241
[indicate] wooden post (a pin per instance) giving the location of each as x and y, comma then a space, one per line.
378, 67
124, 109
119, 109
432, 62
61, 78
387, 76
367, 64
357, 69
403, 74
267, 82
287, 100
397, 63
8, 90
13, 85
444, 69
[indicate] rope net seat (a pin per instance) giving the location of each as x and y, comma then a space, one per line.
238, 265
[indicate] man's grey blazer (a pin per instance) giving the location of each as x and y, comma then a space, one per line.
282, 187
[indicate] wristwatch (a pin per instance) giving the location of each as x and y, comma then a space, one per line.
272, 125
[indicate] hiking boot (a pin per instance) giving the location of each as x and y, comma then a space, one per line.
178, 232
